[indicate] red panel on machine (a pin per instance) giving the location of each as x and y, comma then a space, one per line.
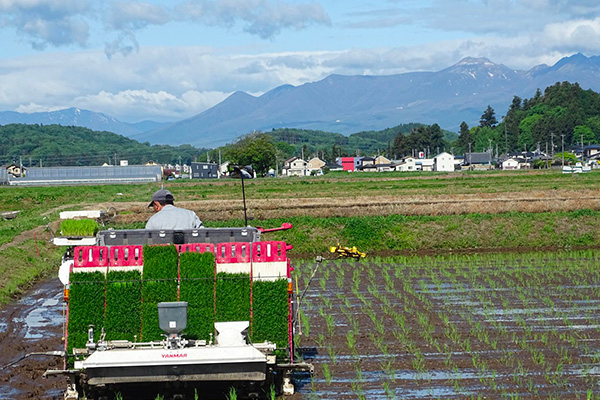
235, 252
268, 251
125, 256
90, 256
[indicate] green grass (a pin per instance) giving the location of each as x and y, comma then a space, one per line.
21, 266
401, 234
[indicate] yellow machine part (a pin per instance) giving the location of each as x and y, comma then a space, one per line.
345, 252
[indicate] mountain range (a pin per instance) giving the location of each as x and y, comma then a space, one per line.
349, 104
76, 117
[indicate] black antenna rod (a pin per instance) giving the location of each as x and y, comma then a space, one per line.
244, 197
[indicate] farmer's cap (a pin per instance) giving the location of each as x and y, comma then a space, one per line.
161, 195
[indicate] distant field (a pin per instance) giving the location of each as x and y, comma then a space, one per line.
381, 213
339, 195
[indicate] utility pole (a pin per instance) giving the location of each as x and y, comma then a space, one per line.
582, 150
526, 166
562, 137
469, 155
552, 144
490, 154
505, 139
546, 155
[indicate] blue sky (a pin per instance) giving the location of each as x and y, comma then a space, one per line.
168, 60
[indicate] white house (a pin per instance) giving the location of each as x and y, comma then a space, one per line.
443, 162
511, 163
295, 167
224, 169
425, 164
407, 164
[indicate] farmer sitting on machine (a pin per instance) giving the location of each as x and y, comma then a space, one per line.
168, 216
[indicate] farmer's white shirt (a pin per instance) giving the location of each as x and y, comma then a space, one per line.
171, 217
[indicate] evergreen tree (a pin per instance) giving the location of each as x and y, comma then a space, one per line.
516, 104
420, 140
436, 139
464, 138
488, 118
401, 147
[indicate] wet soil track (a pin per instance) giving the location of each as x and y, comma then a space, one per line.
32, 324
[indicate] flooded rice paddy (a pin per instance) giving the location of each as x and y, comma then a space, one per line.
478, 326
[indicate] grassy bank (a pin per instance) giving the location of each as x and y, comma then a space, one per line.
399, 234
23, 265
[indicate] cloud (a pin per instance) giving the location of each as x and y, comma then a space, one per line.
136, 15
139, 104
378, 18
33, 108
124, 44
57, 23
578, 35
171, 83
509, 18
47, 22
264, 18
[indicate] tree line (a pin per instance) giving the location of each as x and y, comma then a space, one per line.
563, 116
57, 145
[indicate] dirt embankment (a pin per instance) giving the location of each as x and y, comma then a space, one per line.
363, 205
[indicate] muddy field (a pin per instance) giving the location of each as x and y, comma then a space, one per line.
479, 326
32, 324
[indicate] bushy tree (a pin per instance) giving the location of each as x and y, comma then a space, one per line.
257, 149
483, 138
526, 128
585, 132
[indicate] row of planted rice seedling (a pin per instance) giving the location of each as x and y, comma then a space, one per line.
477, 326
124, 301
